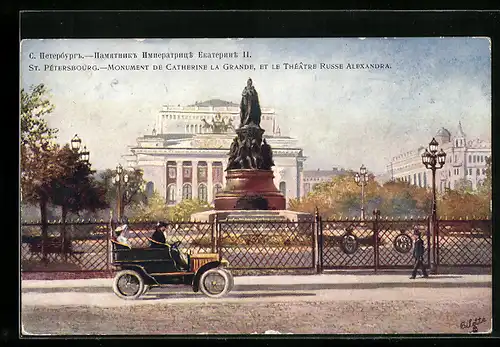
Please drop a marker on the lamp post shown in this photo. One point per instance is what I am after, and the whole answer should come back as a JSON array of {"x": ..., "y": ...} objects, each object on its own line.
[
  {"x": 120, "y": 178},
  {"x": 433, "y": 160},
  {"x": 361, "y": 180},
  {"x": 76, "y": 143},
  {"x": 83, "y": 156}
]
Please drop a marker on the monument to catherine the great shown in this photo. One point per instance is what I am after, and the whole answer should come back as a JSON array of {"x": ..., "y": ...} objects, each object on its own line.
[{"x": 250, "y": 192}]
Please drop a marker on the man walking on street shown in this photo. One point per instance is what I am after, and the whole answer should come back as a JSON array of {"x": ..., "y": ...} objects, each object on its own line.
[{"x": 418, "y": 254}]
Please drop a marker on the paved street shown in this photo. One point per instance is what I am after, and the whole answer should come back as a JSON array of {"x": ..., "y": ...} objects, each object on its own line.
[{"x": 327, "y": 304}]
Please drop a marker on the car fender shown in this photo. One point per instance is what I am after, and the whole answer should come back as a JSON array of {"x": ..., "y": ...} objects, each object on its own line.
[{"x": 201, "y": 270}]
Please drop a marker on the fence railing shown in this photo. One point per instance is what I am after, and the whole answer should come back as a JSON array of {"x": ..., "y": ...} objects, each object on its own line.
[
  {"x": 375, "y": 244},
  {"x": 464, "y": 242},
  {"x": 317, "y": 244}
]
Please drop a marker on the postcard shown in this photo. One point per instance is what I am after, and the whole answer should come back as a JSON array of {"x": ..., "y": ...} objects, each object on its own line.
[{"x": 255, "y": 186}]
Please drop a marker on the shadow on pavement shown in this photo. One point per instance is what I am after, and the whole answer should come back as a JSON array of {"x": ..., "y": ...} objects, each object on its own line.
[
  {"x": 418, "y": 283},
  {"x": 157, "y": 296}
]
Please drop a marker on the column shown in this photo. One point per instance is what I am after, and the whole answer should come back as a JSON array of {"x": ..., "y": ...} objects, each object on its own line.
[
  {"x": 210, "y": 184},
  {"x": 194, "y": 182},
  {"x": 178, "y": 184}
]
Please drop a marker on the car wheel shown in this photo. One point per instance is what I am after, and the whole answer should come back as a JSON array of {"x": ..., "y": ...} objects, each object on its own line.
[
  {"x": 128, "y": 285},
  {"x": 215, "y": 283}
]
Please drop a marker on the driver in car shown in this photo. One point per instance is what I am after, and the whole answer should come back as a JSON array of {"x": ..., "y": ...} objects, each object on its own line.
[{"x": 159, "y": 236}]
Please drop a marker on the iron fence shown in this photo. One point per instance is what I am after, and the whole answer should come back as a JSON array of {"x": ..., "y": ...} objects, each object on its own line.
[
  {"x": 464, "y": 242},
  {"x": 267, "y": 245},
  {"x": 372, "y": 243},
  {"x": 73, "y": 246}
]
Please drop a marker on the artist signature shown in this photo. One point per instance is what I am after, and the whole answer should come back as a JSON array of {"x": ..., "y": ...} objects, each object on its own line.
[{"x": 472, "y": 323}]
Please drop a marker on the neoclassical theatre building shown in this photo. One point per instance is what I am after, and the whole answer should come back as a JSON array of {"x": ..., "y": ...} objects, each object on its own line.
[
  {"x": 187, "y": 152},
  {"x": 465, "y": 159}
]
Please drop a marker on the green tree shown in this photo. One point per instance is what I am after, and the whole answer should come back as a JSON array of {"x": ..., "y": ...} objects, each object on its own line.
[
  {"x": 183, "y": 210},
  {"x": 76, "y": 189},
  {"x": 463, "y": 186},
  {"x": 154, "y": 209},
  {"x": 342, "y": 196},
  {"x": 38, "y": 154}
]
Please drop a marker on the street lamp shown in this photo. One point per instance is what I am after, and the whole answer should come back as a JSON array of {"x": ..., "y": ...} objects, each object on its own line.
[
  {"x": 361, "y": 180},
  {"x": 76, "y": 143},
  {"x": 121, "y": 178},
  {"x": 433, "y": 160},
  {"x": 85, "y": 155}
]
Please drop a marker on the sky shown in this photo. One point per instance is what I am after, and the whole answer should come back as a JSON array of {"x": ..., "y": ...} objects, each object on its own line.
[{"x": 340, "y": 117}]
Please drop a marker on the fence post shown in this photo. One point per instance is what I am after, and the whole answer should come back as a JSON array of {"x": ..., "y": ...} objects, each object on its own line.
[
  {"x": 376, "y": 213},
  {"x": 214, "y": 234},
  {"x": 109, "y": 258},
  {"x": 436, "y": 226},
  {"x": 429, "y": 243},
  {"x": 64, "y": 248},
  {"x": 315, "y": 232}
]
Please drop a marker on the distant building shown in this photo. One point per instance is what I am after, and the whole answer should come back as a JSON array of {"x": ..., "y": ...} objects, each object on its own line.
[
  {"x": 314, "y": 177},
  {"x": 465, "y": 159},
  {"x": 186, "y": 154}
]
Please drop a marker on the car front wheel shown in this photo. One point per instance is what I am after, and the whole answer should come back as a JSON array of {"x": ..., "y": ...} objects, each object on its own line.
[{"x": 215, "y": 283}]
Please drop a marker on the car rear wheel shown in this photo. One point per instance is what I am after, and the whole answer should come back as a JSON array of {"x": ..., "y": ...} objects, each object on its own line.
[
  {"x": 215, "y": 283},
  {"x": 128, "y": 285}
]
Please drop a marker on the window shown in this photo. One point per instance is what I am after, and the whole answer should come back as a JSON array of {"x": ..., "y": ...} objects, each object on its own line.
[
  {"x": 419, "y": 179},
  {"x": 474, "y": 159},
  {"x": 449, "y": 173},
  {"x": 414, "y": 179},
  {"x": 425, "y": 180},
  {"x": 484, "y": 171},
  {"x": 202, "y": 171},
  {"x": 217, "y": 172},
  {"x": 172, "y": 171},
  {"x": 171, "y": 194},
  {"x": 307, "y": 188},
  {"x": 187, "y": 192},
  {"x": 283, "y": 188},
  {"x": 478, "y": 172},
  {"x": 150, "y": 187},
  {"x": 202, "y": 192}
]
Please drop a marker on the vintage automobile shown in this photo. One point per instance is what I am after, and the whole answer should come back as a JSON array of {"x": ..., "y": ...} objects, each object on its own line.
[{"x": 164, "y": 264}]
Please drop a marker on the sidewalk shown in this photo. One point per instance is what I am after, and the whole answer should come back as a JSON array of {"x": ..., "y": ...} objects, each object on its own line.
[{"x": 323, "y": 281}]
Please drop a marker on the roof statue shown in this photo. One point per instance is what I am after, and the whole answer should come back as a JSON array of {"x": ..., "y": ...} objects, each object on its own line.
[{"x": 219, "y": 125}]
